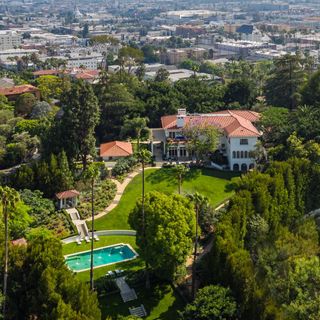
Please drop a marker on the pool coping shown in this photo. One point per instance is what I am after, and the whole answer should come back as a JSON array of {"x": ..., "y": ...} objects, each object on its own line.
[{"x": 103, "y": 265}]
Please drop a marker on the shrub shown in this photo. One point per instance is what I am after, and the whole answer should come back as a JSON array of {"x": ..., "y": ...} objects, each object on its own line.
[{"x": 124, "y": 165}]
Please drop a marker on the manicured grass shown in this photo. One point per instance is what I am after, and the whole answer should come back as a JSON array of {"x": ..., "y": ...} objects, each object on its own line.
[
  {"x": 160, "y": 302},
  {"x": 211, "y": 183},
  {"x": 132, "y": 265}
]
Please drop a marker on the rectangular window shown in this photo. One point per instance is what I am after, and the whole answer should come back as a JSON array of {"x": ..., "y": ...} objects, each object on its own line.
[
  {"x": 172, "y": 135},
  {"x": 243, "y": 141}
]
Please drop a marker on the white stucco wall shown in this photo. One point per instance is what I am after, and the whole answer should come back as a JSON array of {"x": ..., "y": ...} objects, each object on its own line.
[{"x": 236, "y": 146}]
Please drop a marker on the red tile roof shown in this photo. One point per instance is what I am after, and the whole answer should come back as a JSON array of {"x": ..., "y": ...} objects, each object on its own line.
[
  {"x": 87, "y": 74},
  {"x": 116, "y": 149},
  {"x": 19, "y": 242},
  {"x": 235, "y": 123},
  {"x": 46, "y": 72},
  {"x": 67, "y": 194},
  {"x": 25, "y": 88}
]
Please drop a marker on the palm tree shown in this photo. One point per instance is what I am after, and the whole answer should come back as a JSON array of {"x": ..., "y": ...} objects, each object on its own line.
[
  {"x": 198, "y": 200},
  {"x": 144, "y": 156},
  {"x": 9, "y": 198},
  {"x": 136, "y": 125},
  {"x": 180, "y": 171},
  {"x": 92, "y": 173}
]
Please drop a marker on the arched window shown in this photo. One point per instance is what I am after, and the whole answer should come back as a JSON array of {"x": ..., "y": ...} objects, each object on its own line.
[
  {"x": 246, "y": 154},
  {"x": 241, "y": 154},
  {"x": 244, "y": 167},
  {"x": 234, "y": 154},
  {"x": 238, "y": 154},
  {"x": 235, "y": 167},
  {"x": 251, "y": 166}
]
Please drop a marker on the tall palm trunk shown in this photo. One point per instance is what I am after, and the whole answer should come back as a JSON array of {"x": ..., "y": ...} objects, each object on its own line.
[
  {"x": 195, "y": 255},
  {"x": 92, "y": 235},
  {"x": 179, "y": 184},
  {"x": 6, "y": 258},
  {"x": 144, "y": 226}
]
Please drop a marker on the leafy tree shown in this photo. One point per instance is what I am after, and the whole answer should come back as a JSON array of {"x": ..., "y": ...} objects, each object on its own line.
[
  {"x": 311, "y": 90},
  {"x": 103, "y": 39},
  {"x": 4, "y": 103},
  {"x": 117, "y": 104},
  {"x": 150, "y": 55},
  {"x": 80, "y": 117},
  {"x": 201, "y": 139},
  {"x": 48, "y": 290},
  {"x": 24, "y": 104},
  {"x": 211, "y": 303},
  {"x": 287, "y": 78},
  {"x": 161, "y": 99},
  {"x": 166, "y": 240},
  {"x": 51, "y": 86},
  {"x": 40, "y": 110},
  {"x": 303, "y": 287},
  {"x": 199, "y": 96},
  {"x": 162, "y": 75},
  {"x": 129, "y": 57},
  {"x": 241, "y": 91},
  {"x": 275, "y": 125}
]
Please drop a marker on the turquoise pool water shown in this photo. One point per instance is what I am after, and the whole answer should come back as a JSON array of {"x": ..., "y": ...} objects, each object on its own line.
[{"x": 101, "y": 257}]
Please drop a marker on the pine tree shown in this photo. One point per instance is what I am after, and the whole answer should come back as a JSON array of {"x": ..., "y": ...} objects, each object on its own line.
[{"x": 81, "y": 115}]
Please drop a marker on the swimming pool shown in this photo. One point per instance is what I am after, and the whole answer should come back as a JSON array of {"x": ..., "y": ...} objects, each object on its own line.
[{"x": 101, "y": 257}]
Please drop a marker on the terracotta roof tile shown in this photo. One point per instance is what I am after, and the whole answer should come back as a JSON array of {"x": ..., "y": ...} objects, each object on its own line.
[
  {"x": 67, "y": 194},
  {"x": 25, "y": 88},
  {"x": 116, "y": 149},
  {"x": 235, "y": 123}
]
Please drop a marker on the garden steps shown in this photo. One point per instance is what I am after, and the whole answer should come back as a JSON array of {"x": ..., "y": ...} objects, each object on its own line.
[
  {"x": 80, "y": 224},
  {"x": 138, "y": 311},
  {"x": 127, "y": 294}
]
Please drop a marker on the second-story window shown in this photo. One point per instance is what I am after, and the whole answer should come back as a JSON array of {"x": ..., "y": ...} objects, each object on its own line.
[
  {"x": 244, "y": 141},
  {"x": 172, "y": 134}
]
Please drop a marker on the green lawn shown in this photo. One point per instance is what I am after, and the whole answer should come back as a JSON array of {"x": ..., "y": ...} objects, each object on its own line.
[
  {"x": 211, "y": 183},
  {"x": 132, "y": 265},
  {"x": 160, "y": 302}
]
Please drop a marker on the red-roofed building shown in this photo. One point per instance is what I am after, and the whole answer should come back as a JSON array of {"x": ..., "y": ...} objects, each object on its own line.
[
  {"x": 19, "y": 242},
  {"x": 13, "y": 93},
  {"x": 67, "y": 199},
  {"x": 115, "y": 149},
  {"x": 237, "y": 142}
]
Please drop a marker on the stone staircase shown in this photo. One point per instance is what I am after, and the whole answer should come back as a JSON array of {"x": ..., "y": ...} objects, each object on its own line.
[
  {"x": 138, "y": 311},
  {"x": 129, "y": 295}
]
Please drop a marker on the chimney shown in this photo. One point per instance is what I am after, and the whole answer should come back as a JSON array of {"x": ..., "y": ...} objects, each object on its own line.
[{"x": 181, "y": 117}]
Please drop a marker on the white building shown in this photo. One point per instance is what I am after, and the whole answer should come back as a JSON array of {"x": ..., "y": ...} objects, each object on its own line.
[
  {"x": 9, "y": 39},
  {"x": 238, "y": 138},
  {"x": 90, "y": 61}
]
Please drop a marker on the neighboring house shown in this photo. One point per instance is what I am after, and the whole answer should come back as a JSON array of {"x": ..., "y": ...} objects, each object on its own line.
[
  {"x": 12, "y": 93},
  {"x": 115, "y": 149},
  {"x": 77, "y": 73},
  {"x": 237, "y": 142}
]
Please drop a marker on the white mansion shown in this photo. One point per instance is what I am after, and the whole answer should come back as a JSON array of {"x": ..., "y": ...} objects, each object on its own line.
[{"x": 237, "y": 142}]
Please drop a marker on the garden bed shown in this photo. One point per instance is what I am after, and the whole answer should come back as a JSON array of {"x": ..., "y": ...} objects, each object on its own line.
[{"x": 104, "y": 193}]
